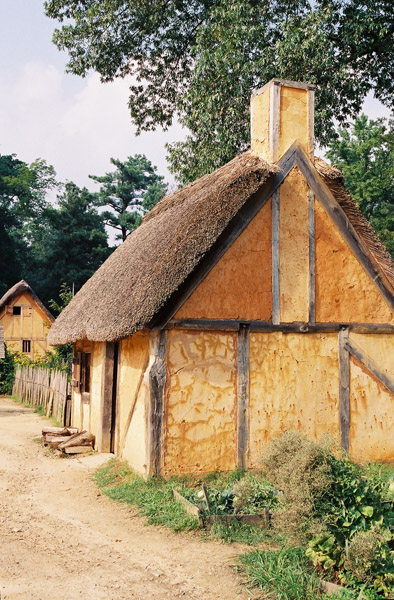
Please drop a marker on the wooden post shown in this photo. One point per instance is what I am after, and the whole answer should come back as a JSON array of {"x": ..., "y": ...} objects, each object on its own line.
[
  {"x": 104, "y": 429},
  {"x": 275, "y": 259},
  {"x": 157, "y": 382},
  {"x": 243, "y": 394},
  {"x": 344, "y": 388},
  {"x": 274, "y": 123},
  {"x": 312, "y": 257}
]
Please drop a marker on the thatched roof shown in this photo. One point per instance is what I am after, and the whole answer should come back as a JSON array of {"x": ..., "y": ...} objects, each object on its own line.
[
  {"x": 133, "y": 284},
  {"x": 19, "y": 288},
  {"x": 136, "y": 280}
]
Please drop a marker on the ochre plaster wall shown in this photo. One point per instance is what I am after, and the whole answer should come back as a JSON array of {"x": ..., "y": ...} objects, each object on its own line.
[
  {"x": 95, "y": 386},
  {"x": 371, "y": 404},
  {"x": 294, "y": 384},
  {"x": 294, "y": 248},
  {"x": 200, "y": 406},
  {"x": 31, "y": 325},
  {"x": 344, "y": 291},
  {"x": 239, "y": 285},
  {"x": 293, "y": 119},
  {"x": 132, "y": 401}
]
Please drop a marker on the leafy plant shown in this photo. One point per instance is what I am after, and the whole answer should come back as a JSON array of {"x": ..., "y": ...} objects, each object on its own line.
[{"x": 7, "y": 372}]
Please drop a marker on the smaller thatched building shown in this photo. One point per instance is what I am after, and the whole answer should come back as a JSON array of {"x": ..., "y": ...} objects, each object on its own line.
[
  {"x": 25, "y": 320},
  {"x": 256, "y": 299}
]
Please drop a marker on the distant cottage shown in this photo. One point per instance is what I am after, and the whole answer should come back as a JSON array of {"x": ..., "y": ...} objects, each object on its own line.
[
  {"x": 256, "y": 299},
  {"x": 25, "y": 321}
]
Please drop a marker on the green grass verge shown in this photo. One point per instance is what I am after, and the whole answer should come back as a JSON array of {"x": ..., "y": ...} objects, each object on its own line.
[
  {"x": 286, "y": 574},
  {"x": 154, "y": 500}
]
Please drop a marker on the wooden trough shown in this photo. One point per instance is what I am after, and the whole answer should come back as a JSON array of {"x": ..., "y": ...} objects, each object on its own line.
[{"x": 207, "y": 520}]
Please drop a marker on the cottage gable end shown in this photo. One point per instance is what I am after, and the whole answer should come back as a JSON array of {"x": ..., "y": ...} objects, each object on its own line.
[{"x": 299, "y": 260}]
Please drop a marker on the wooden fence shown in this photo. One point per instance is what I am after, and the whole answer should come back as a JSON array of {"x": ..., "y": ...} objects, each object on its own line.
[{"x": 46, "y": 388}]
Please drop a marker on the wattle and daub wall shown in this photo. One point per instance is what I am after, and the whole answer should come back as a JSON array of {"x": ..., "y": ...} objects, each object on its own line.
[
  {"x": 30, "y": 324},
  {"x": 228, "y": 392}
]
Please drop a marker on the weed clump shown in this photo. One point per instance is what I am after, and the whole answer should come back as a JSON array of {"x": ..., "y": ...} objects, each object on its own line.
[{"x": 300, "y": 469}]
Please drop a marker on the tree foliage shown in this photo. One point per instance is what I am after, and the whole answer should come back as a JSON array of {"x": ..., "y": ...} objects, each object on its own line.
[
  {"x": 23, "y": 190},
  {"x": 365, "y": 155},
  {"x": 199, "y": 59},
  {"x": 129, "y": 191},
  {"x": 69, "y": 245}
]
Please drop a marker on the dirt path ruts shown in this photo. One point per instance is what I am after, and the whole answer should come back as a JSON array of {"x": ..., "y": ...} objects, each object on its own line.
[{"x": 60, "y": 539}]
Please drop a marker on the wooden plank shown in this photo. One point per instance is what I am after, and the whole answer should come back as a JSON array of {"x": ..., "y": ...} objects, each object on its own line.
[
  {"x": 274, "y": 120},
  {"x": 275, "y": 253},
  {"x": 78, "y": 450},
  {"x": 157, "y": 381},
  {"x": 78, "y": 439},
  {"x": 260, "y": 520},
  {"x": 370, "y": 365},
  {"x": 344, "y": 388},
  {"x": 346, "y": 229},
  {"x": 311, "y": 121},
  {"x": 312, "y": 257},
  {"x": 242, "y": 394},
  {"x": 236, "y": 226},
  {"x": 104, "y": 428},
  {"x": 267, "y": 326},
  {"x": 188, "y": 506}
]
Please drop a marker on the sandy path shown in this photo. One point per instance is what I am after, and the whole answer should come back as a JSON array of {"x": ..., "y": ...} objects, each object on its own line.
[{"x": 60, "y": 539}]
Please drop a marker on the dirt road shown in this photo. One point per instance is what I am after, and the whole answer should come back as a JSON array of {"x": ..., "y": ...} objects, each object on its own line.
[{"x": 60, "y": 539}]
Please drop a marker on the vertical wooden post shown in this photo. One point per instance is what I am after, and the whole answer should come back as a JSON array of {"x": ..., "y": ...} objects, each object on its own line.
[
  {"x": 311, "y": 122},
  {"x": 274, "y": 122},
  {"x": 157, "y": 382},
  {"x": 104, "y": 429},
  {"x": 243, "y": 394},
  {"x": 275, "y": 258},
  {"x": 344, "y": 388},
  {"x": 312, "y": 257}
]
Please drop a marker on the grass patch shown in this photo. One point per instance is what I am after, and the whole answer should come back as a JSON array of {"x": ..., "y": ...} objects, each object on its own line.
[
  {"x": 283, "y": 574},
  {"x": 153, "y": 497}
]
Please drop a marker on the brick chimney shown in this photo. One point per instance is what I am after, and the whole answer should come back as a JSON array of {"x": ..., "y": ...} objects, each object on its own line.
[{"x": 281, "y": 112}]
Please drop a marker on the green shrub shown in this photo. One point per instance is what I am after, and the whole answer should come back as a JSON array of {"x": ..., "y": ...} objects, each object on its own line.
[
  {"x": 369, "y": 559},
  {"x": 7, "y": 372},
  {"x": 252, "y": 494},
  {"x": 326, "y": 502}
]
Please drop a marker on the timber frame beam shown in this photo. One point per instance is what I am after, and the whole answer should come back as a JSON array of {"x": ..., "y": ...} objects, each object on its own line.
[
  {"x": 268, "y": 326},
  {"x": 243, "y": 395},
  {"x": 157, "y": 382}
]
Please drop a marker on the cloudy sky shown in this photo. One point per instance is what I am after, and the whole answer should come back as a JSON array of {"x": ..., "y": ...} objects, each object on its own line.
[{"x": 75, "y": 124}]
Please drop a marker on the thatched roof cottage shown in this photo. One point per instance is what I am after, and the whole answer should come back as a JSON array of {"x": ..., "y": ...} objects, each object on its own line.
[
  {"x": 25, "y": 319},
  {"x": 254, "y": 300}
]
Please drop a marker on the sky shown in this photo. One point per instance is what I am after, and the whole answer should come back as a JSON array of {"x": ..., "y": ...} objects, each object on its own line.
[{"x": 76, "y": 124}]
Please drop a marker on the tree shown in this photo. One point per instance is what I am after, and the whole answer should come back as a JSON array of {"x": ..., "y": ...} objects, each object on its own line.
[
  {"x": 70, "y": 243},
  {"x": 365, "y": 155},
  {"x": 23, "y": 190},
  {"x": 130, "y": 191},
  {"x": 199, "y": 59}
]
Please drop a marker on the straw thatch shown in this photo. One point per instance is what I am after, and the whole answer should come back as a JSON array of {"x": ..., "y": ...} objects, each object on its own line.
[
  {"x": 137, "y": 279},
  {"x": 132, "y": 285},
  {"x": 19, "y": 288}
]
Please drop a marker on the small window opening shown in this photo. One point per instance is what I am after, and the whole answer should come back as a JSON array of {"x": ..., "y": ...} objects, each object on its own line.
[
  {"x": 26, "y": 345},
  {"x": 16, "y": 310},
  {"x": 86, "y": 373}
]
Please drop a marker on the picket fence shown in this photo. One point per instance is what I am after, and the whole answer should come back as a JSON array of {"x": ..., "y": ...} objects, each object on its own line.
[{"x": 47, "y": 388}]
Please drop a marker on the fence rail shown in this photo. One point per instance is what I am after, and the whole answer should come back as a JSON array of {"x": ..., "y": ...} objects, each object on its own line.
[{"x": 44, "y": 387}]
